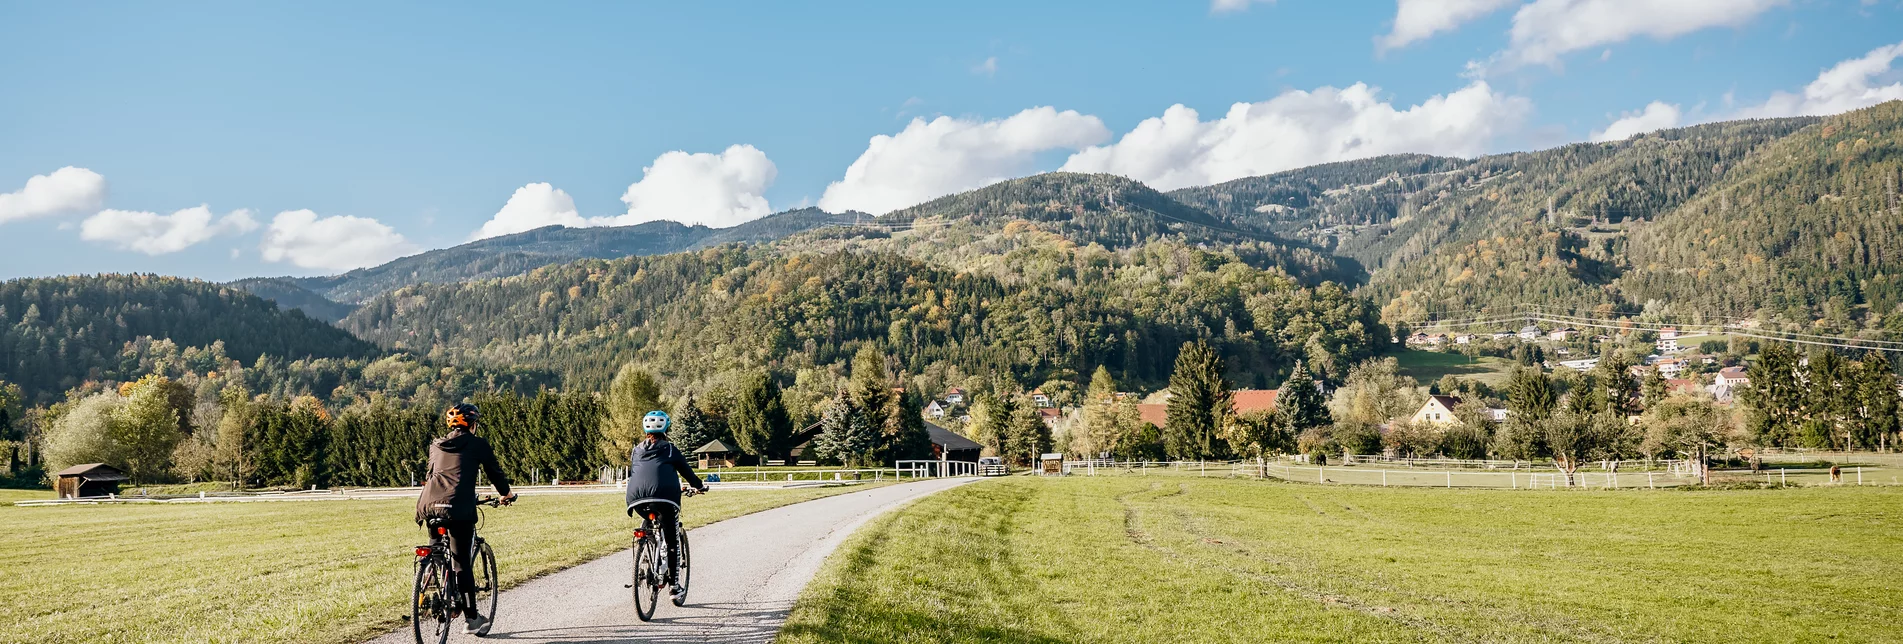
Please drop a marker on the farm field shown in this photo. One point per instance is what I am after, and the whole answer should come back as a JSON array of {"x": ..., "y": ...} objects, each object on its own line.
[
  {"x": 1428, "y": 366},
  {"x": 326, "y": 571},
  {"x": 1181, "y": 558}
]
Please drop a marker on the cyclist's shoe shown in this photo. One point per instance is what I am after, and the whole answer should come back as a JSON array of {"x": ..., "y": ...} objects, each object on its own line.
[
  {"x": 474, "y": 624},
  {"x": 680, "y": 595}
]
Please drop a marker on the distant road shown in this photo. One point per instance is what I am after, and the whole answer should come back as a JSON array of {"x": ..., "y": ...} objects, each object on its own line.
[{"x": 747, "y": 572}]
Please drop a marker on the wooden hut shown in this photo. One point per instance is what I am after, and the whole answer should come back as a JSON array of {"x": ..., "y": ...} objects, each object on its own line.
[
  {"x": 716, "y": 454},
  {"x": 91, "y": 479},
  {"x": 949, "y": 446}
]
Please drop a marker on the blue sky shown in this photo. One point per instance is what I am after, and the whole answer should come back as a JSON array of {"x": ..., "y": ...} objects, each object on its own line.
[{"x": 407, "y": 127}]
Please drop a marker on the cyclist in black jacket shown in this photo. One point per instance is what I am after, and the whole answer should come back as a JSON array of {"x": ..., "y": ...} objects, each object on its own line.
[
  {"x": 449, "y": 497},
  {"x": 655, "y": 470}
]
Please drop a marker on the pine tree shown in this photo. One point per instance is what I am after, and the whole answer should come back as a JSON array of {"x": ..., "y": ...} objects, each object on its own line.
[
  {"x": 1029, "y": 438},
  {"x": 690, "y": 426},
  {"x": 846, "y": 434},
  {"x": 1878, "y": 395},
  {"x": 1654, "y": 389},
  {"x": 1531, "y": 400},
  {"x": 1300, "y": 403},
  {"x": 911, "y": 441},
  {"x": 1100, "y": 416},
  {"x": 1199, "y": 404},
  {"x": 1773, "y": 395}
]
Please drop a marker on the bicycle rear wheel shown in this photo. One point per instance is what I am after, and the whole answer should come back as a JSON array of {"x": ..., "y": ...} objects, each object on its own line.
[
  {"x": 487, "y": 590},
  {"x": 647, "y": 583},
  {"x": 429, "y": 604},
  {"x": 680, "y": 582}
]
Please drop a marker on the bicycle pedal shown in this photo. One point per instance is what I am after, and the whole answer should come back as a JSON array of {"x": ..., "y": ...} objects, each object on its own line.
[{"x": 627, "y": 585}]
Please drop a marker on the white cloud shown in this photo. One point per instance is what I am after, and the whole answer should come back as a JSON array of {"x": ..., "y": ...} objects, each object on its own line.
[
  {"x": 1302, "y": 128},
  {"x": 67, "y": 189},
  {"x": 934, "y": 158},
  {"x": 331, "y": 243},
  {"x": 1416, "y": 20},
  {"x": 715, "y": 190},
  {"x": 1658, "y": 115},
  {"x": 532, "y": 206},
  {"x": 1226, "y": 6},
  {"x": 987, "y": 68},
  {"x": 1544, "y": 30},
  {"x": 1848, "y": 85},
  {"x": 155, "y": 234}
]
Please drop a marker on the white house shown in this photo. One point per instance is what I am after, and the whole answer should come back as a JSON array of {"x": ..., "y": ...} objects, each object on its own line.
[
  {"x": 1039, "y": 398},
  {"x": 1581, "y": 365},
  {"x": 955, "y": 396},
  {"x": 1731, "y": 377},
  {"x": 1530, "y": 332},
  {"x": 1563, "y": 335},
  {"x": 1670, "y": 367},
  {"x": 1464, "y": 338},
  {"x": 1668, "y": 339},
  {"x": 1497, "y": 414},
  {"x": 1438, "y": 410},
  {"x": 936, "y": 408}
]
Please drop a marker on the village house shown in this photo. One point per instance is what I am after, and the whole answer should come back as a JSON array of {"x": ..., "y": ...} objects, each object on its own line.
[
  {"x": 1529, "y": 333},
  {"x": 937, "y": 408},
  {"x": 1563, "y": 335},
  {"x": 1668, "y": 339},
  {"x": 1241, "y": 401},
  {"x": 1050, "y": 416},
  {"x": 1039, "y": 398},
  {"x": 1581, "y": 365},
  {"x": 1464, "y": 338},
  {"x": 1731, "y": 377},
  {"x": 1497, "y": 414},
  {"x": 1670, "y": 368},
  {"x": 1438, "y": 410},
  {"x": 1684, "y": 387},
  {"x": 955, "y": 396},
  {"x": 1502, "y": 335}
]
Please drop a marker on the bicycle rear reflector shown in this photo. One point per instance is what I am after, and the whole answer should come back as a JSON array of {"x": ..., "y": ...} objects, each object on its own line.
[
  {"x": 422, "y": 551},
  {"x": 640, "y": 534}
]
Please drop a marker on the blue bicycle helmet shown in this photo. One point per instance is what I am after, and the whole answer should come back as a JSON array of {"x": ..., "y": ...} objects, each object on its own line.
[{"x": 656, "y": 422}]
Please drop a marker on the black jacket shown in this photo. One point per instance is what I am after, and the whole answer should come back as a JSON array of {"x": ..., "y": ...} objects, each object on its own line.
[
  {"x": 655, "y": 472},
  {"x": 450, "y": 490}
]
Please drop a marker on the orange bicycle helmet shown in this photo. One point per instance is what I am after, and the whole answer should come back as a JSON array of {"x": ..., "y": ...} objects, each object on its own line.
[{"x": 461, "y": 416}]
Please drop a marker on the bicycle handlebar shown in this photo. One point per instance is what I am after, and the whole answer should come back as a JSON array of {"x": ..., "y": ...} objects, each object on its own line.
[{"x": 494, "y": 501}]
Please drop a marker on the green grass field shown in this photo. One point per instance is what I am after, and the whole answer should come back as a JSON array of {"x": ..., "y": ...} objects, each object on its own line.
[
  {"x": 323, "y": 571},
  {"x": 1428, "y": 366},
  {"x": 1177, "y": 558},
  {"x": 9, "y": 495}
]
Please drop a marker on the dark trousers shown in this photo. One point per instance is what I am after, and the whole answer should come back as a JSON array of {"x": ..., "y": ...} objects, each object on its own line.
[{"x": 462, "y": 547}]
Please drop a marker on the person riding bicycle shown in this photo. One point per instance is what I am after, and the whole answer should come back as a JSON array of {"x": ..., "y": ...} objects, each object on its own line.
[
  {"x": 655, "y": 470},
  {"x": 449, "y": 497}
]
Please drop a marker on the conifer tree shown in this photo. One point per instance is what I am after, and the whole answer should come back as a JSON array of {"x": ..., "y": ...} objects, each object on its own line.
[
  {"x": 846, "y": 434},
  {"x": 690, "y": 426},
  {"x": 1199, "y": 404},
  {"x": 758, "y": 419},
  {"x": 1300, "y": 403}
]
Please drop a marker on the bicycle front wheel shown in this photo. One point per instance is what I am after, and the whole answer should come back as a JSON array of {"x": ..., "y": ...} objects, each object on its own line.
[
  {"x": 429, "y": 604},
  {"x": 647, "y": 581},
  {"x": 680, "y": 582},
  {"x": 487, "y": 590}
]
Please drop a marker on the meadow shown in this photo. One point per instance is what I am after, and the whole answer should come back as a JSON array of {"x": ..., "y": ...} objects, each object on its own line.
[
  {"x": 319, "y": 571},
  {"x": 1182, "y": 558},
  {"x": 1426, "y": 367}
]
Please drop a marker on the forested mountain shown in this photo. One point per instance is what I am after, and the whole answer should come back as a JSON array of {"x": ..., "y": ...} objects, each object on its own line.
[
  {"x": 1106, "y": 210},
  {"x": 1036, "y": 278},
  {"x": 58, "y": 332},
  {"x": 1787, "y": 220},
  {"x": 519, "y": 253},
  {"x": 288, "y": 294}
]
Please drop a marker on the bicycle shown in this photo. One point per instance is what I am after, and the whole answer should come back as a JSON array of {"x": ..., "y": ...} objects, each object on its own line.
[
  {"x": 437, "y": 599},
  {"x": 651, "y": 569}
]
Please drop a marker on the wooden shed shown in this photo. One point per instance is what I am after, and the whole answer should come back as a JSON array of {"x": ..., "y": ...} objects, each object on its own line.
[
  {"x": 716, "y": 453},
  {"x": 949, "y": 446},
  {"x": 91, "y": 479}
]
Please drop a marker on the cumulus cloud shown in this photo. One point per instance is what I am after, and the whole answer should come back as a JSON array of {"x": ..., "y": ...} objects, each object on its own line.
[
  {"x": 1848, "y": 85},
  {"x": 331, "y": 243},
  {"x": 155, "y": 234},
  {"x": 532, "y": 206},
  {"x": 1658, "y": 115},
  {"x": 1416, "y": 20},
  {"x": 67, "y": 189},
  {"x": 715, "y": 190},
  {"x": 1544, "y": 30},
  {"x": 945, "y": 155},
  {"x": 1226, "y": 6},
  {"x": 987, "y": 68},
  {"x": 1300, "y": 128}
]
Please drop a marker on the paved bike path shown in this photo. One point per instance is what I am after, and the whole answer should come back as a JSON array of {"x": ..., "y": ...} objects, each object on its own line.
[{"x": 747, "y": 572}]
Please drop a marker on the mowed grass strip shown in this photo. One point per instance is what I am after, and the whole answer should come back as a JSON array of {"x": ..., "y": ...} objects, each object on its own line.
[
  {"x": 318, "y": 571},
  {"x": 1176, "y": 558}
]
